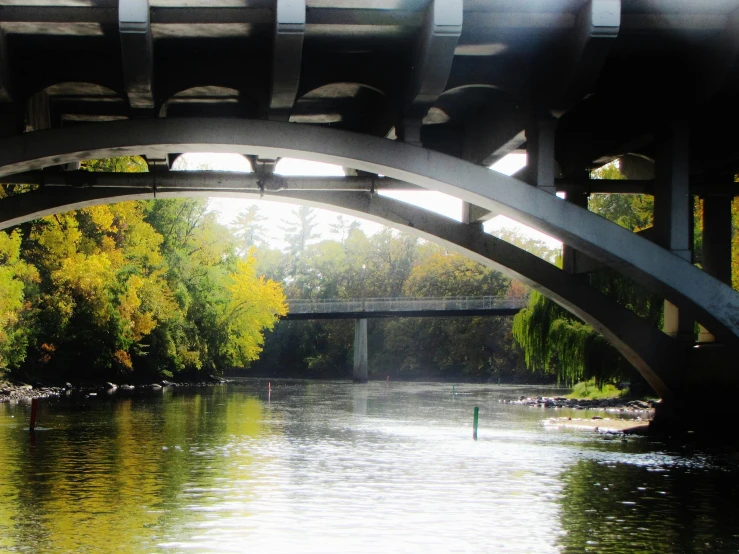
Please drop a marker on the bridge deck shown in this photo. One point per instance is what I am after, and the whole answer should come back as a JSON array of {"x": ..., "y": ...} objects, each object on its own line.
[{"x": 357, "y": 308}]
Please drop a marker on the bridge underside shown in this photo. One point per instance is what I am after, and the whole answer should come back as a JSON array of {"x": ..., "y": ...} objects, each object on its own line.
[{"x": 427, "y": 93}]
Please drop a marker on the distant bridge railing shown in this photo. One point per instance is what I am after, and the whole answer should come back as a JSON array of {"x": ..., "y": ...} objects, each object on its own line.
[{"x": 353, "y": 308}]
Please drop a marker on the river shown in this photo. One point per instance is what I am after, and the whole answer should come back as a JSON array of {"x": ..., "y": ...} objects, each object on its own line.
[{"x": 336, "y": 467}]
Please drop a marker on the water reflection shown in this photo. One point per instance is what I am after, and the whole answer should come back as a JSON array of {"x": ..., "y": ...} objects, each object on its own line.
[
  {"x": 107, "y": 474},
  {"x": 336, "y": 467},
  {"x": 615, "y": 507}
]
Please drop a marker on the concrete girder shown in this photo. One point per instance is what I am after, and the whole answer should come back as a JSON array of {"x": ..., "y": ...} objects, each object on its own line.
[
  {"x": 433, "y": 55},
  {"x": 286, "y": 57},
  {"x": 715, "y": 63},
  {"x": 712, "y": 303},
  {"x": 5, "y": 95},
  {"x": 596, "y": 27},
  {"x": 229, "y": 180},
  {"x": 137, "y": 52},
  {"x": 204, "y": 181},
  {"x": 656, "y": 356}
]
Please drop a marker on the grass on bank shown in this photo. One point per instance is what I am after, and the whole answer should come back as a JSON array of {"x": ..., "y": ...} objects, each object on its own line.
[{"x": 589, "y": 390}]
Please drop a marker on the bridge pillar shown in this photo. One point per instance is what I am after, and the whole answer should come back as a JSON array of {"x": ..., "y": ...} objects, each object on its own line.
[
  {"x": 716, "y": 244},
  {"x": 541, "y": 168},
  {"x": 360, "y": 351},
  {"x": 569, "y": 254},
  {"x": 673, "y": 214}
]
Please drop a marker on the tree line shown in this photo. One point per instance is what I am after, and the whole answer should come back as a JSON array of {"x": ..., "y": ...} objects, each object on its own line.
[
  {"x": 132, "y": 290},
  {"x": 351, "y": 264}
]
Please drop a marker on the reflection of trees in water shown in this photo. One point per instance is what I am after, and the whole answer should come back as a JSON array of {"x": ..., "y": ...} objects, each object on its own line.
[
  {"x": 625, "y": 508},
  {"x": 122, "y": 473}
]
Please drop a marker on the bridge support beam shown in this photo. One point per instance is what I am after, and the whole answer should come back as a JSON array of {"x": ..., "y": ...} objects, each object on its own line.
[
  {"x": 673, "y": 223},
  {"x": 716, "y": 244},
  {"x": 540, "y": 149},
  {"x": 359, "y": 374},
  {"x": 571, "y": 258}
]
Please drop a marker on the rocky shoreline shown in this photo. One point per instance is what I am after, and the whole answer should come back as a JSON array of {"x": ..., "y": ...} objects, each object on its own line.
[
  {"x": 23, "y": 392},
  {"x": 640, "y": 408}
]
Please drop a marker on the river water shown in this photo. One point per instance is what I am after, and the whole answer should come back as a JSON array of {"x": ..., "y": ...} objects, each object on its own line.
[{"x": 336, "y": 467}]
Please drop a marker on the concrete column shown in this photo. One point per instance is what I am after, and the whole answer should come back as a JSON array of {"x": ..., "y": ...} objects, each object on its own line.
[
  {"x": 540, "y": 150},
  {"x": 716, "y": 244},
  {"x": 360, "y": 351},
  {"x": 717, "y": 237},
  {"x": 673, "y": 213},
  {"x": 569, "y": 254}
]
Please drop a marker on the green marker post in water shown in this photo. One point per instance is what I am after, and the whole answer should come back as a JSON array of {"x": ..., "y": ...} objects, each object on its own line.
[{"x": 474, "y": 422}]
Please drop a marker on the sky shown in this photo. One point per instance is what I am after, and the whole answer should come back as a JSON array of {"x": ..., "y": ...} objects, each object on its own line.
[{"x": 275, "y": 212}]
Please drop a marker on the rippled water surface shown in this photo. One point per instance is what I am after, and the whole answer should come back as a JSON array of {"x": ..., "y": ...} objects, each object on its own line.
[{"x": 336, "y": 467}]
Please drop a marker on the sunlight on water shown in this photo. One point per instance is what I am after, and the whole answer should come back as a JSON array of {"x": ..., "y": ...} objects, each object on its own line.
[{"x": 333, "y": 467}]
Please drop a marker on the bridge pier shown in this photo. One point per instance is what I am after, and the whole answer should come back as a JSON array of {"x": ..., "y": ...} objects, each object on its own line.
[
  {"x": 359, "y": 374},
  {"x": 716, "y": 259},
  {"x": 710, "y": 379},
  {"x": 673, "y": 215}
]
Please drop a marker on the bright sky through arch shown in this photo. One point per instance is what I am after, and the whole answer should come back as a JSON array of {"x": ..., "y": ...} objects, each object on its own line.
[{"x": 275, "y": 212}]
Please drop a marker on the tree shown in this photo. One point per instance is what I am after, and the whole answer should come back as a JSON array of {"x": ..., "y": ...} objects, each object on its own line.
[
  {"x": 255, "y": 305},
  {"x": 154, "y": 288},
  {"x": 343, "y": 227},
  {"x": 299, "y": 231},
  {"x": 556, "y": 342},
  {"x": 248, "y": 229},
  {"x": 15, "y": 275}
]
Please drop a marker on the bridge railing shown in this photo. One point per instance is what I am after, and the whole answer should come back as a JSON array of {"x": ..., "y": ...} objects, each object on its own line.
[{"x": 446, "y": 303}]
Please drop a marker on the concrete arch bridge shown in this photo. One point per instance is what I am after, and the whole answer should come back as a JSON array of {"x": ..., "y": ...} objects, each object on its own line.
[{"x": 416, "y": 93}]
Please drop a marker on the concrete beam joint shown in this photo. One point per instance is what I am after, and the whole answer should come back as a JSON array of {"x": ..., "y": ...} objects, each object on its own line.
[
  {"x": 447, "y": 18},
  {"x": 133, "y": 16},
  {"x": 433, "y": 55},
  {"x": 605, "y": 18},
  {"x": 137, "y": 52},
  {"x": 287, "y": 57}
]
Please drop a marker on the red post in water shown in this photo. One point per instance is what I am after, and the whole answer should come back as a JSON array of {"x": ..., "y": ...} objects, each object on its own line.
[{"x": 34, "y": 406}]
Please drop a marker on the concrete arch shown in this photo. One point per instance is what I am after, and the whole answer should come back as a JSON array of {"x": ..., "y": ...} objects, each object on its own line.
[
  {"x": 210, "y": 100},
  {"x": 712, "y": 303},
  {"x": 655, "y": 355}
]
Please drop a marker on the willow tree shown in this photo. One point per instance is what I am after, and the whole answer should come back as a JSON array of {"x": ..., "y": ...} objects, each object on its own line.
[{"x": 554, "y": 341}]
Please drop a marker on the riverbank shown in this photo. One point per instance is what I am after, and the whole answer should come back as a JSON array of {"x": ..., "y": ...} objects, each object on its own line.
[
  {"x": 638, "y": 408},
  {"x": 600, "y": 424},
  {"x": 23, "y": 392}
]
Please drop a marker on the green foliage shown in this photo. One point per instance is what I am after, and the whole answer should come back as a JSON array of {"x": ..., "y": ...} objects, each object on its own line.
[
  {"x": 153, "y": 288},
  {"x": 590, "y": 389},
  {"x": 556, "y": 342},
  {"x": 15, "y": 275},
  {"x": 390, "y": 264}
]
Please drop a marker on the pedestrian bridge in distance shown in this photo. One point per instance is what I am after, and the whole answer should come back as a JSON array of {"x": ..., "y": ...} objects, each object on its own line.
[{"x": 362, "y": 308}]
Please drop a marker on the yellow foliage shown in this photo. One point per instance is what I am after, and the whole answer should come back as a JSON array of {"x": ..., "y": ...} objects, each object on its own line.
[
  {"x": 102, "y": 217},
  {"x": 122, "y": 359},
  {"x": 255, "y": 305}
]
